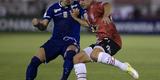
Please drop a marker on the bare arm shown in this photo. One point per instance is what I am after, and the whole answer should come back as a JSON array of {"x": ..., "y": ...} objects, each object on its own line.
[
  {"x": 40, "y": 24},
  {"x": 107, "y": 12},
  {"x": 75, "y": 14}
]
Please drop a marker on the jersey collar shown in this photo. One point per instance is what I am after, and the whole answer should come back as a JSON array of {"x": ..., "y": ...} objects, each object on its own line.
[{"x": 60, "y": 4}]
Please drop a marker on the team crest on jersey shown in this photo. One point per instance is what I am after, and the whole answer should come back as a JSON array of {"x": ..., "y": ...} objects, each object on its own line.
[
  {"x": 65, "y": 14},
  {"x": 57, "y": 10}
]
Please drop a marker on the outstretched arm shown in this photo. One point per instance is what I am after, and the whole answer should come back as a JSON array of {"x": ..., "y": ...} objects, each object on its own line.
[
  {"x": 40, "y": 24},
  {"x": 84, "y": 22},
  {"x": 107, "y": 12}
]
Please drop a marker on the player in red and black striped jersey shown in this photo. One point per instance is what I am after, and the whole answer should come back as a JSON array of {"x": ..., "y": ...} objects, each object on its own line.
[{"x": 108, "y": 43}]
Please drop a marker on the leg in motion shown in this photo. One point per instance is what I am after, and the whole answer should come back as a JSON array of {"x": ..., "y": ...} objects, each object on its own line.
[
  {"x": 105, "y": 58},
  {"x": 32, "y": 68},
  {"x": 68, "y": 61},
  {"x": 79, "y": 66}
]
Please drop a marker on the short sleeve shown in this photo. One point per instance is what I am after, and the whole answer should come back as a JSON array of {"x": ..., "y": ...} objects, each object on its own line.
[
  {"x": 82, "y": 11},
  {"x": 49, "y": 13}
]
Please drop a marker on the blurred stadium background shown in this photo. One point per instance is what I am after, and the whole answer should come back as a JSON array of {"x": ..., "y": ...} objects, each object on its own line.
[{"x": 138, "y": 21}]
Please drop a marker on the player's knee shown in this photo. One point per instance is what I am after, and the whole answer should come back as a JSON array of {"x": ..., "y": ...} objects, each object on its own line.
[
  {"x": 93, "y": 57},
  {"x": 73, "y": 48},
  {"x": 41, "y": 55},
  {"x": 95, "y": 53},
  {"x": 69, "y": 55}
]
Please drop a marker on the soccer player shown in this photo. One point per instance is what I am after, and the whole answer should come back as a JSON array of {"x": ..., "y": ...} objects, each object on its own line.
[
  {"x": 64, "y": 40},
  {"x": 108, "y": 39}
]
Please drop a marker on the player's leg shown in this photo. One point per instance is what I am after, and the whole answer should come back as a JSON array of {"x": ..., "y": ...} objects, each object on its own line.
[
  {"x": 68, "y": 61},
  {"x": 79, "y": 60},
  {"x": 35, "y": 62},
  {"x": 46, "y": 53},
  {"x": 101, "y": 56}
]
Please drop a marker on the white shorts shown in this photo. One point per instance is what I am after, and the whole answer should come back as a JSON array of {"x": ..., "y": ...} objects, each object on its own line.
[{"x": 89, "y": 50}]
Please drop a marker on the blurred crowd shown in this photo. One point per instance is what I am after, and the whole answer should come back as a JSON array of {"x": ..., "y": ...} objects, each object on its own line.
[
  {"x": 136, "y": 9},
  {"x": 22, "y": 8},
  {"x": 122, "y": 9}
]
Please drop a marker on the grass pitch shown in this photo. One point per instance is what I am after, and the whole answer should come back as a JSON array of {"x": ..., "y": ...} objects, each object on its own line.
[{"x": 16, "y": 50}]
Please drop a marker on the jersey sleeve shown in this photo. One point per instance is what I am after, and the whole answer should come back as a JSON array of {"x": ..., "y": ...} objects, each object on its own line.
[
  {"x": 82, "y": 12},
  {"x": 49, "y": 13}
]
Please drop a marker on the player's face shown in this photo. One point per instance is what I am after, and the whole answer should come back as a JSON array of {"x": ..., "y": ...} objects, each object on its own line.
[
  {"x": 85, "y": 3},
  {"x": 67, "y": 2}
]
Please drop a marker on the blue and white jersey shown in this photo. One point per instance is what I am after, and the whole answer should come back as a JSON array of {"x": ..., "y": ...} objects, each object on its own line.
[{"x": 64, "y": 24}]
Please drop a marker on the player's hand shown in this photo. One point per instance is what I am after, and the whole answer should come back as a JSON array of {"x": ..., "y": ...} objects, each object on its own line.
[
  {"x": 35, "y": 22},
  {"x": 93, "y": 28},
  {"x": 106, "y": 20},
  {"x": 40, "y": 24},
  {"x": 75, "y": 13}
]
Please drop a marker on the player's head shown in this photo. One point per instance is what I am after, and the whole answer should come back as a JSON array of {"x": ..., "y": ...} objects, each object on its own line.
[
  {"x": 85, "y": 3},
  {"x": 66, "y": 2}
]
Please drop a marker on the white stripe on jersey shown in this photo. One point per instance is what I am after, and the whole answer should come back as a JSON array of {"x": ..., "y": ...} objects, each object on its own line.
[{"x": 45, "y": 15}]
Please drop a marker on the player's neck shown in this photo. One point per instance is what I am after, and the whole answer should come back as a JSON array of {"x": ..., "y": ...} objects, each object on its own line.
[
  {"x": 63, "y": 4},
  {"x": 90, "y": 4}
]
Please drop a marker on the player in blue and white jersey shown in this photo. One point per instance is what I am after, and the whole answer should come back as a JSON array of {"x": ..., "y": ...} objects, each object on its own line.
[{"x": 64, "y": 40}]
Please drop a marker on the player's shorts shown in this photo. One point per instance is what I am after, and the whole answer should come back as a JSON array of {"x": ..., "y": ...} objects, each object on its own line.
[
  {"x": 53, "y": 49},
  {"x": 108, "y": 45}
]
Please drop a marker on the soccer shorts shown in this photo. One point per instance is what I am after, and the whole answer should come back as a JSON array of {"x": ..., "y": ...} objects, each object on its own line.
[
  {"x": 54, "y": 49},
  {"x": 108, "y": 45}
]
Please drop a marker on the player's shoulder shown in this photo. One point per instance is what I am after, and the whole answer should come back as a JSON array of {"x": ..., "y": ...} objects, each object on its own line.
[
  {"x": 54, "y": 5},
  {"x": 75, "y": 3}
]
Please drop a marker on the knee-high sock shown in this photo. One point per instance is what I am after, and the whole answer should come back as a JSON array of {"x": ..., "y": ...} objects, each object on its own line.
[
  {"x": 80, "y": 70},
  {"x": 31, "y": 72},
  {"x": 107, "y": 59},
  {"x": 68, "y": 64}
]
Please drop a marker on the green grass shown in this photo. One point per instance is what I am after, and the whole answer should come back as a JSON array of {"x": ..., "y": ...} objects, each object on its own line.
[{"x": 16, "y": 50}]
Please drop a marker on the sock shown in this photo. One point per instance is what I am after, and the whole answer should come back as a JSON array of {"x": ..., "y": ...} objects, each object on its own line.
[
  {"x": 68, "y": 64},
  {"x": 31, "y": 72},
  {"x": 108, "y": 59},
  {"x": 80, "y": 70}
]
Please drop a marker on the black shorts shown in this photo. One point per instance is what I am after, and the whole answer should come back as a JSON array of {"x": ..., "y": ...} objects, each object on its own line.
[{"x": 108, "y": 45}]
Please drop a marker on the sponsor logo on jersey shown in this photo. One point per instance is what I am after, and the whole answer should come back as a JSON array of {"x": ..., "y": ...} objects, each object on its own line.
[
  {"x": 65, "y": 14},
  {"x": 74, "y": 6},
  {"x": 57, "y": 10}
]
